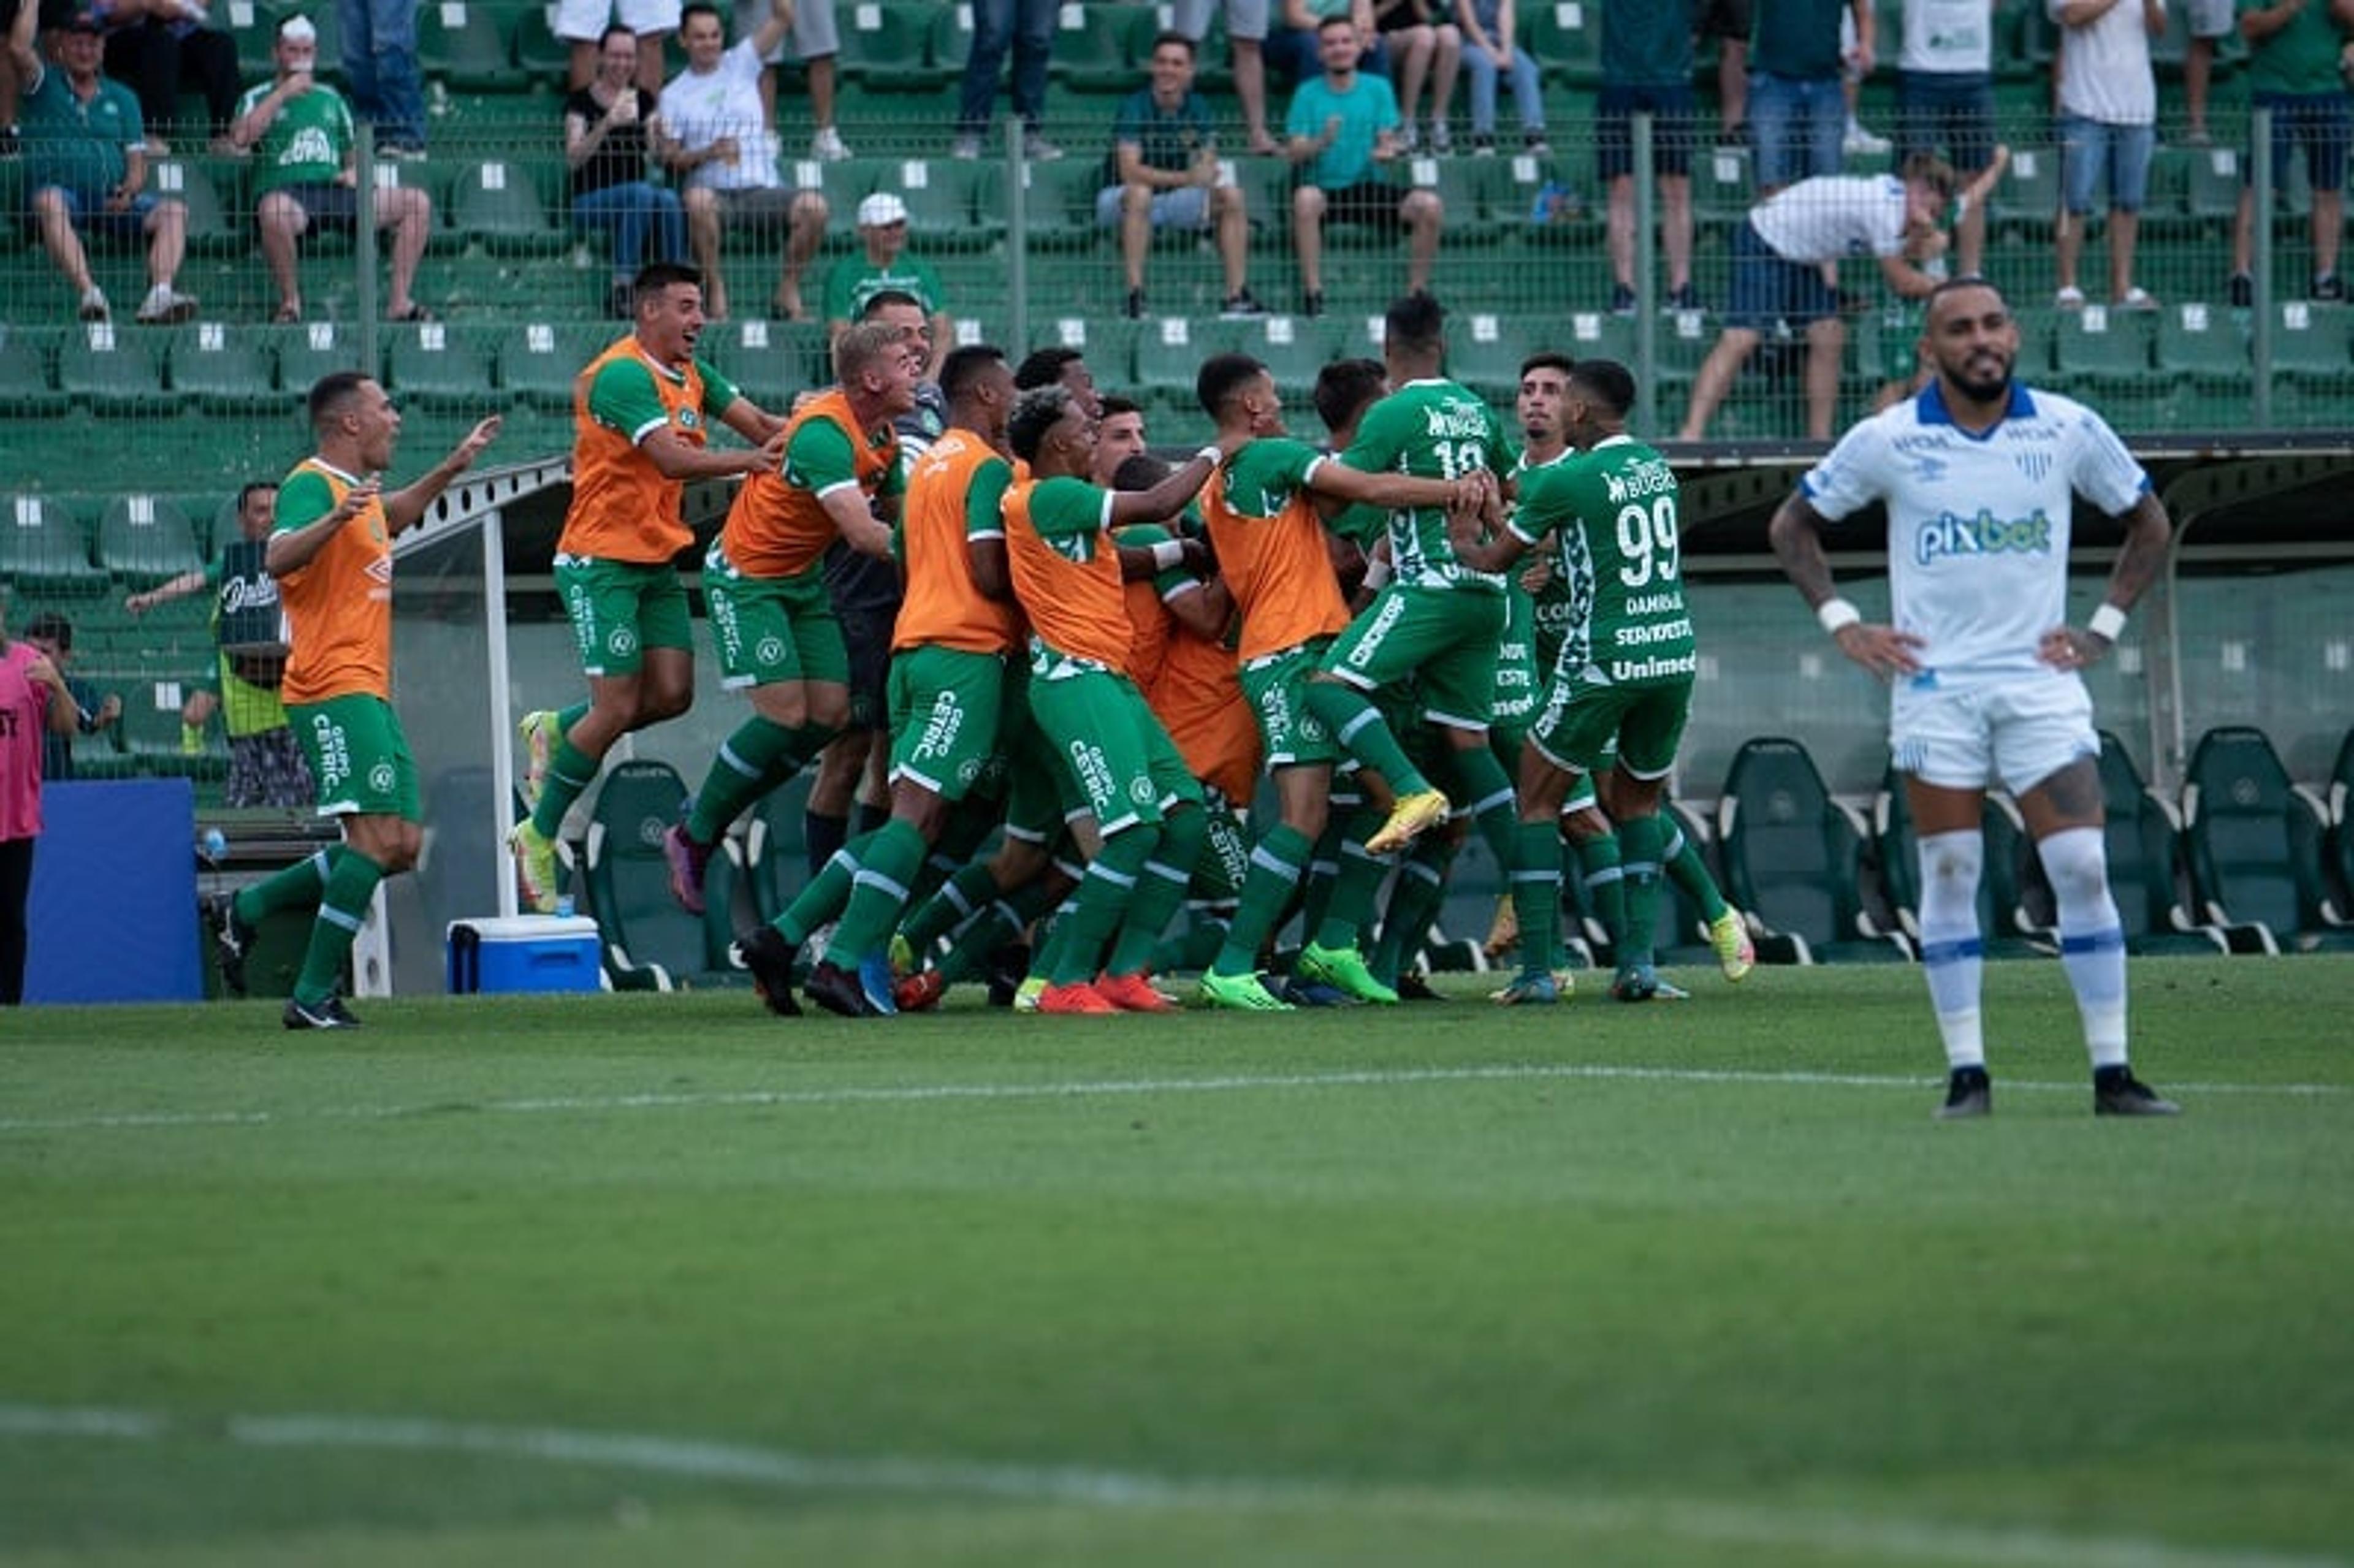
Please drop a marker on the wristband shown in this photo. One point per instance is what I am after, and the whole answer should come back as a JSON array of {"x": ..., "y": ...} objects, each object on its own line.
[
  {"x": 1836, "y": 615},
  {"x": 1377, "y": 572},
  {"x": 1211, "y": 455},
  {"x": 1167, "y": 556},
  {"x": 2107, "y": 622}
]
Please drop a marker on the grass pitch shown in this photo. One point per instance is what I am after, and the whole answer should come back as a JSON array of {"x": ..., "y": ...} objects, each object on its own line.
[{"x": 662, "y": 1279}]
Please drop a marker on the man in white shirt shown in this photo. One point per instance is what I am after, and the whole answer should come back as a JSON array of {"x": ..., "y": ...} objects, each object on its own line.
[
  {"x": 712, "y": 133},
  {"x": 1944, "y": 99},
  {"x": 1978, "y": 474},
  {"x": 1779, "y": 258},
  {"x": 2107, "y": 122}
]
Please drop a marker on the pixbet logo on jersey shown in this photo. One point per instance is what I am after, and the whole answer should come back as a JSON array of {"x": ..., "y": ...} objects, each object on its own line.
[{"x": 1950, "y": 535}]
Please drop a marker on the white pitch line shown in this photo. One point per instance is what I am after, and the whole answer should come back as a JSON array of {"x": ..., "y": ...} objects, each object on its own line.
[
  {"x": 914, "y": 1094},
  {"x": 744, "y": 1464}
]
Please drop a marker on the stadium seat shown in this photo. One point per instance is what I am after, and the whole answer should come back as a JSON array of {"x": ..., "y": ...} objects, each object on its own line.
[
  {"x": 1792, "y": 856},
  {"x": 1564, "y": 40},
  {"x": 771, "y": 853},
  {"x": 430, "y": 366},
  {"x": 2341, "y": 801},
  {"x": 2211, "y": 183},
  {"x": 1094, "y": 47},
  {"x": 884, "y": 46},
  {"x": 2003, "y": 922},
  {"x": 42, "y": 550},
  {"x": 27, "y": 385},
  {"x": 948, "y": 43},
  {"x": 2202, "y": 352},
  {"x": 945, "y": 205},
  {"x": 114, "y": 371},
  {"x": 145, "y": 539},
  {"x": 1723, "y": 192},
  {"x": 155, "y": 740},
  {"x": 252, "y": 25},
  {"x": 650, "y": 942},
  {"x": 2255, "y": 844},
  {"x": 498, "y": 205},
  {"x": 210, "y": 232},
  {"x": 223, "y": 371},
  {"x": 464, "y": 46},
  {"x": 538, "y": 361},
  {"x": 541, "y": 59},
  {"x": 2312, "y": 371},
  {"x": 1463, "y": 185},
  {"x": 2104, "y": 355},
  {"x": 1059, "y": 203},
  {"x": 307, "y": 350},
  {"x": 2024, "y": 203},
  {"x": 1484, "y": 350},
  {"x": 2144, "y": 847},
  {"x": 769, "y": 362}
]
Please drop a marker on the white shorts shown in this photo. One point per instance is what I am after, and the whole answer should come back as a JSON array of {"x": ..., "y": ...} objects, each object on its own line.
[
  {"x": 584, "y": 20},
  {"x": 2019, "y": 733},
  {"x": 1182, "y": 207},
  {"x": 815, "y": 35},
  {"x": 2209, "y": 18}
]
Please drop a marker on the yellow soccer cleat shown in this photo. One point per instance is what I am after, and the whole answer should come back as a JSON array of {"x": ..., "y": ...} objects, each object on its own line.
[
  {"x": 1413, "y": 815},
  {"x": 1736, "y": 955}
]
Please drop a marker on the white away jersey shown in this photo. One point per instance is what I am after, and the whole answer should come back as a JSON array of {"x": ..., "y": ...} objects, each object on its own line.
[
  {"x": 1831, "y": 215},
  {"x": 1978, "y": 526}
]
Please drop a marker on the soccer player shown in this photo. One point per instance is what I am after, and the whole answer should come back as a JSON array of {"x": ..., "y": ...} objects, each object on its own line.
[
  {"x": 1277, "y": 567},
  {"x": 1978, "y": 474},
  {"x": 642, "y": 414},
  {"x": 764, "y": 581},
  {"x": 1614, "y": 510},
  {"x": 950, "y": 647},
  {"x": 1147, "y": 806},
  {"x": 331, "y": 555}
]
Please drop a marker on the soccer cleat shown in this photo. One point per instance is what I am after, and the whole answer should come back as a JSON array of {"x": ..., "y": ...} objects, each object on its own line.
[
  {"x": 1528, "y": 990},
  {"x": 902, "y": 956},
  {"x": 2117, "y": 1092},
  {"x": 232, "y": 940},
  {"x": 1414, "y": 814},
  {"x": 1736, "y": 955},
  {"x": 920, "y": 992},
  {"x": 688, "y": 862},
  {"x": 1665, "y": 990},
  {"x": 1415, "y": 986},
  {"x": 1969, "y": 1093},
  {"x": 1027, "y": 993},
  {"x": 1240, "y": 993},
  {"x": 1504, "y": 930},
  {"x": 1344, "y": 969},
  {"x": 1638, "y": 983},
  {"x": 536, "y": 873},
  {"x": 874, "y": 979},
  {"x": 836, "y": 989},
  {"x": 327, "y": 1014},
  {"x": 1132, "y": 993},
  {"x": 539, "y": 735},
  {"x": 769, "y": 958},
  {"x": 1302, "y": 992},
  {"x": 1077, "y": 998}
]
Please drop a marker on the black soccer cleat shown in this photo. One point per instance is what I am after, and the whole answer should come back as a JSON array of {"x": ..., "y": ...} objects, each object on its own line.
[
  {"x": 2117, "y": 1092},
  {"x": 232, "y": 940},
  {"x": 769, "y": 958},
  {"x": 837, "y": 989},
  {"x": 1969, "y": 1093},
  {"x": 327, "y": 1014}
]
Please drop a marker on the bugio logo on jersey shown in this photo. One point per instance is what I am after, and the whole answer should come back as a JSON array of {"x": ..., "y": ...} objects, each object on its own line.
[{"x": 1949, "y": 534}]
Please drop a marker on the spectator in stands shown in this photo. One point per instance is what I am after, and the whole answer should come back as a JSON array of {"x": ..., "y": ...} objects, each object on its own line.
[
  {"x": 582, "y": 24},
  {"x": 35, "y": 708},
  {"x": 94, "y": 711},
  {"x": 306, "y": 173},
  {"x": 711, "y": 134},
  {"x": 1422, "y": 46},
  {"x": 1291, "y": 45},
  {"x": 1163, "y": 172},
  {"x": 2108, "y": 124},
  {"x": 1727, "y": 22},
  {"x": 2294, "y": 47},
  {"x": 2209, "y": 21},
  {"x": 265, "y": 764},
  {"x": 380, "y": 64},
  {"x": 86, "y": 168},
  {"x": 879, "y": 263},
  {"x": 1944, "y": 99},
  {"x": 605, "y": 144},
  {"x": 1026, "y": 27},
  {"x": 1489, "y": 29},
  {"x": 1779, "y": 260},
  {"x": 162, "y": 48},
  {"x": 1646, "y": 68},
  {"x": 816, "y": 42},
  {"x": 1246, "y": 55},
  {"x": 1797, "y": 108},
  {"x": 1343, "y": 125}
]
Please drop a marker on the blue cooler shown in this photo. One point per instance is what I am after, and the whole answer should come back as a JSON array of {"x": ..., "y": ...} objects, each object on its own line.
[{"x": 523, "y": 953}]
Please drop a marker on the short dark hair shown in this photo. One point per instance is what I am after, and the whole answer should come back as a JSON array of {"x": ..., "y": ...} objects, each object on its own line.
[
  {"x": 1106, "y": 407},
  {"x": 1223, "y": 375},
  {"x": 1344, "y": 389},
  {"x": 1607, "y": 382},
  {"x": 882, "y": 297},
  {"x": 1163, "y": 40},
  {"x": 655, "y": 276},
  {"x": 1139, "y": 471},
  {"x": 612, "y": 27},
  {"x": 964, "y": 366},
  {"x": 688, "y": 12},
  {"x": 1036, "y": 411},
  {"x": 331, "y": 392},
  {"x": 1548, "y": 359},
  {"x": 1337, "y": 19},
  {"x": 251, "y": 488},
  {"x": 1044, "y": 366},
  {"x": 49, "y": 626},
  {"x": 1930, "y": 170},
  {"x": 1416, "y": 322}
]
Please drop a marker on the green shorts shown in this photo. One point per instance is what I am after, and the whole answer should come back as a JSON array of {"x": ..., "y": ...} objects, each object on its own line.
[
  {"x": 769, "y": 630},
  {"x": 1445, "y": 638},
  {"x": 358, "y": 757},
  {"x": 1275, "y": 685},
  {"x": 1646, "y": 720},
  {"x": 946, "y": 706},
  {"x": 1123, "y": 761},
  {"x": 619, "y": 609},
  {"x": 1224, "y": 863}
]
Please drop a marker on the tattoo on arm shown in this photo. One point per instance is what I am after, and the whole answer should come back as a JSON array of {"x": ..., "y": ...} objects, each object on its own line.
[
  {"x": 1797, "y": 536},
  {"x": 2147, "y": 531}
]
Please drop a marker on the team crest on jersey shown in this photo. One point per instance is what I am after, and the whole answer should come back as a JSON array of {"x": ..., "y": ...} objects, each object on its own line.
[
  {"x": 2036, "y": 466},
  {"x": 1929, "y": 470},
  {"x": 1140, "y": 792},
  {"x": 770, "y": 651},
  {"x": 690, "y": 418},
  {"x": 622, "y": 642},
  {"x": 381, "y": 778}
]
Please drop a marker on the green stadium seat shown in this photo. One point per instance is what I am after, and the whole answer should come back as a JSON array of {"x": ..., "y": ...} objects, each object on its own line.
[
  {"x": 2202, "y": 350},
  {"x": 1170, "y": 352},
  {"x": 1293, "y": 348},
  {"x": 540, "y": 56},
  {"x": 539, "y": 362},
  {"x": 1096, "y": 46},
  {"x": 252, "y": 25},
  {"x": 649, "y": 941},
  {"x": 1484, "y": 350},
  {"x": 1462, "y": 186},
  {"x": 210, "y": 232},
  {"x": 28, "y": 385},
  {"x": 1792, "y": 855},
  {"x": 1059, "y": 203},
  {"x": 1722, "y": 191},
  {"x": 2103, "y": 350},
  {"x": 1543, "y": 201},
  {"x": 224, "y": 370},
  {"x": 498, "y": 204},
  {"x": 2144, "y": 846},
  {"x": 146, "y": 539},
  {"x": 2255, "y": 844},
  {"x": 948, "y": 43},
  {"x": 885, "y": 46},
  {"x": 2024, "y": 203},
  {"x": 945, "y": 205},
  {"x": 769, "y": 362},
  {"x": 1109, "y": 344},
  {"x": 464, "y": 46},
  {"x": 307, "y": 350},
  {"x": 43, "y": 550},
  {"x": 155, "y": 738},
  {"x": 427, "y": 366},
  {"x": 2211, "y": 183},
  {"x": 1564, "y": 40},
  {"x": 114, "y": 371}
]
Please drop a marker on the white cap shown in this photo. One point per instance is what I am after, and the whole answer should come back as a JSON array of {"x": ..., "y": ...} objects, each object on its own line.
[
  {"x": 881, "y": 208},
  {"x": 298, "y": 30}
]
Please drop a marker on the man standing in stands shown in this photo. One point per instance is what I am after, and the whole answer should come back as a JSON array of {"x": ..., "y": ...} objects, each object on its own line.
[
  {"x": 331, "y": 555},
  {"x": 641, "y": 415},
  {"x": 1978, "y": 474}
]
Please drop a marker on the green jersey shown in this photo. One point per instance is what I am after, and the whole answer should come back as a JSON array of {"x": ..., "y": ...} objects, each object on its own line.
[
  {"x": 1518, "y": 678},
  {"x": 853, "y": 281},
  {"x": 1565, "y": 602},
  {"x": 1616, "y": 513},
  {"x": 305, "y": 144},
  {"x": 1432, "y": 429}
]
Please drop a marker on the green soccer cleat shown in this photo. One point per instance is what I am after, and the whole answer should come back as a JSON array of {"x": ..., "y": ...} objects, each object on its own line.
[
  {"x": 1736, "y": 955},
  {"x": 1344, "y": 969},
  {"x": 1242, "y": 993},
  {"x": 536, "y": 877}
]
